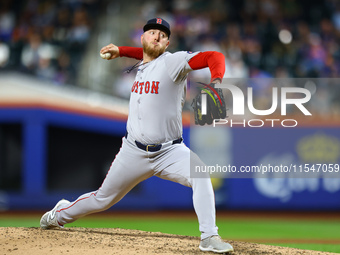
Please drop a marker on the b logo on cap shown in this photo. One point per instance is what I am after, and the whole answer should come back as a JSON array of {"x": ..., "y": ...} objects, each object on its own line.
[{"x": 159, "y": 21}]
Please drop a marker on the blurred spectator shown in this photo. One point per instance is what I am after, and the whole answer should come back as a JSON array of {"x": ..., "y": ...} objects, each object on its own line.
[
  {"x": 313, "y": 56},
  {"x": 7, "y": 20},
  {"x": 65, "y": 70},
  {"x": 30, "y": 54},
  {"x": 80, "y": 30},
  {"x": 62, "y": 25},
  {"x": 45, "y": 69},
  {"x": 46, "y": 38}
]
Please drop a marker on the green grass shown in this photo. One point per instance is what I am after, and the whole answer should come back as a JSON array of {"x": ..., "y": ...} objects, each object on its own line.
[
  {"x": 316, "y": 247},
  {"x": 19, "y": 222},
  {"x": 281, "y": 229},
  {"x": 257, "y": 230}
]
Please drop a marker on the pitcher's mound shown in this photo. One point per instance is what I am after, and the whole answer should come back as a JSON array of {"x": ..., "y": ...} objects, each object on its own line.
[{"x": 88, "y": 241}]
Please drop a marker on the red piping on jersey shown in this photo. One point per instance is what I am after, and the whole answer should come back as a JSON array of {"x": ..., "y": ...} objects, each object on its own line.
[
  {"x": 93, "y": 193},
  {"x": 212, "y": 59},
  {"x": 131, "y": 52}
]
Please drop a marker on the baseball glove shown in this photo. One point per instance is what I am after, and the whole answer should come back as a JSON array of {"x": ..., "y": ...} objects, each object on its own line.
[{"x": 216, "y": 107}]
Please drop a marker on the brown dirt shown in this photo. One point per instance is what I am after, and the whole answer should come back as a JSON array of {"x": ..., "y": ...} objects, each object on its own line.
[{"x": 84, "y": 241}]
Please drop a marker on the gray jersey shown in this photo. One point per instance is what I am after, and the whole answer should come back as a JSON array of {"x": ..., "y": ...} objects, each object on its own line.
[
  {"x": 156, "y": 101},
  {"x": 157, "y": 98}
]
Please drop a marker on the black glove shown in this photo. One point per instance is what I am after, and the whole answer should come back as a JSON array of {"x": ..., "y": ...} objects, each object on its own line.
[{"x": 216, "y": 107}]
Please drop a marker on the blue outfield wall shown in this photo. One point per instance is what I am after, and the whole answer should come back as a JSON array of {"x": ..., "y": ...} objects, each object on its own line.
[
  {"x": 249, "y": 147},
  {"x": 34, "y": 193},
  {"x": 307, "y": 152}
]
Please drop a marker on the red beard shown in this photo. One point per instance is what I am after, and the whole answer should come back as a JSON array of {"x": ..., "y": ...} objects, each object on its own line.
[{"x": 152, "y": 51}]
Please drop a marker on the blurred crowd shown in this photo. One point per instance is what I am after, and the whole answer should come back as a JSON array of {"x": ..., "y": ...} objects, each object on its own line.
[
  {"x": 260, "y": 38},
  {"x": 46, "y": 38},
  {"x": 294, "y": 38}
]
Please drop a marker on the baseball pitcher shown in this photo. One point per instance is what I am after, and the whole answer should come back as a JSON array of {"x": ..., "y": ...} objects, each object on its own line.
[{"x": 153, "y": 144}]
